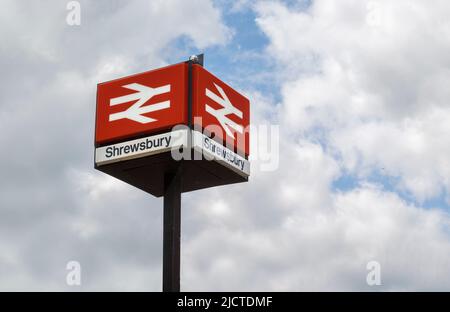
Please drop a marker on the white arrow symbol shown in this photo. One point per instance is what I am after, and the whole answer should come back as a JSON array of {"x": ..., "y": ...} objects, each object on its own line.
[
  {"x": 142, "y": 95},
  {"x": 227, "y": 108}
]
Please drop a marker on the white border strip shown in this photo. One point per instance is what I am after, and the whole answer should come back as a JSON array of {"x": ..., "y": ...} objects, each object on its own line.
[
  {"x": 141, "y": 147},
  {"x": 164, "y": 142},
  {"x": 215, "y": 151}
]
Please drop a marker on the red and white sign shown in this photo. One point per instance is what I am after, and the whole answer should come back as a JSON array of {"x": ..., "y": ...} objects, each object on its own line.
[
  {"x": 141, "y": 104},
  {"x": 219, "y": 105}
]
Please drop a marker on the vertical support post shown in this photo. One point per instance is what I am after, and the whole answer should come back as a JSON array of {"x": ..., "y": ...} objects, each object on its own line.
[
  {"x": 172, "y": 206},
  {"x": 172, "y": 231},
  {"x": 194, "y": 59},
  {"x": 190, "y": 69}
]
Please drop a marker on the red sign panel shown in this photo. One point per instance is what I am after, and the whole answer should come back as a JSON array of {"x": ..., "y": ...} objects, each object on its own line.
[
  {"x": 144, "y": 103},
  {"x": 218, "y": 106}
]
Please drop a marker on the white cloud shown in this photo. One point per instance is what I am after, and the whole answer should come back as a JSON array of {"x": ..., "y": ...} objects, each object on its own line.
[
  {"x": 320, "y": 250},
  {"x": 53, "y": 206},
  {"x": 290, "y": 230},
  {"x": 363, "y": 89},
  {"x": 371, "y": 76}
]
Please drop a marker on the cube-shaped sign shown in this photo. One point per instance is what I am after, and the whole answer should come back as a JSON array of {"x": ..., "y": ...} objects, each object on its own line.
[
  {"x": 141, "y": 104},
  {"x": 217, "y": 106},
  {"x": 135, "y": 139}
]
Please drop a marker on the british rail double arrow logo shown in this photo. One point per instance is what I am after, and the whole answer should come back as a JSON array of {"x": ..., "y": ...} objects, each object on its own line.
[
  {"x": 142, "y": 95},
  {"x": 221, "y": 113}
]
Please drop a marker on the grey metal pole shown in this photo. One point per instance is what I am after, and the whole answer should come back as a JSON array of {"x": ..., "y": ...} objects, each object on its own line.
[{"x": 172, "y": 230}]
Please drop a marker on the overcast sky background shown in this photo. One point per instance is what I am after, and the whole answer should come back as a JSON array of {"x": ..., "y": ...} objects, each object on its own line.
[{"x": 359, "y": 88}]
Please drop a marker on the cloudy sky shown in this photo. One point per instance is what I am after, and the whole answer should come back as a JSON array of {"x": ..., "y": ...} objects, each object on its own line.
[{"x": 360, "y": 91}]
